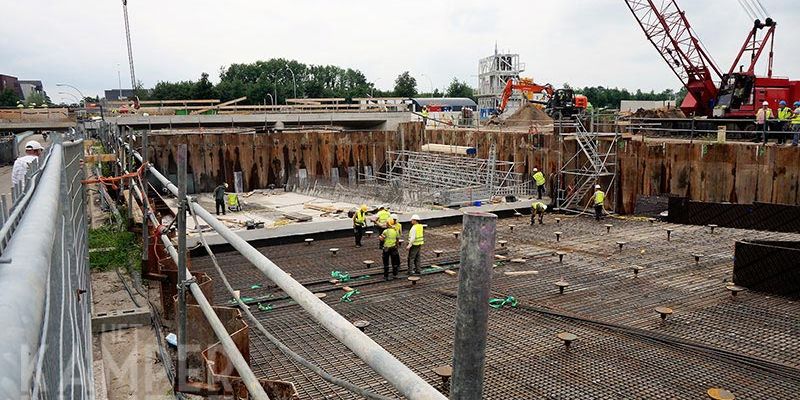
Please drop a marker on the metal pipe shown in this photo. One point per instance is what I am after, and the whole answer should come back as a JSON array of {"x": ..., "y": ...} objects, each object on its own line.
[
  {"x": 254, "y": 388},
  {"x": 182, "y": 364},
  {"x": 472, "y": 313},
  {"x": 381, "y": 361},
  {"x": 145, "y": 230}
]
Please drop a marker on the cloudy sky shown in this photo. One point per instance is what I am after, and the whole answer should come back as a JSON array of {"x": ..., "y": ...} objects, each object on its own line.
[{"x": 583, "y": 42}]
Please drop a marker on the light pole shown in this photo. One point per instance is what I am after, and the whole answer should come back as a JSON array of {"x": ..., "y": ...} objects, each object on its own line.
[
  {"x": 430, "y": 82},
  {"x": 73, "y": 87},
  {"x": 73, "y": 96},
  {"x": 294, "y": 81}
]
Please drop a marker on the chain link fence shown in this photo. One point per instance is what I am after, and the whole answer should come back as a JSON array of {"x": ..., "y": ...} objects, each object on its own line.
[{"x": 45, "y": 296}]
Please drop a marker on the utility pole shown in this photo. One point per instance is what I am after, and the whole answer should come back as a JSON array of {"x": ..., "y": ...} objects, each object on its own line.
[{"x": 183, "y": 366}]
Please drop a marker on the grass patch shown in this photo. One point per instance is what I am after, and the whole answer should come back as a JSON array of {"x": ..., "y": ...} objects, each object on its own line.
[{"x": 111, "y": 247}]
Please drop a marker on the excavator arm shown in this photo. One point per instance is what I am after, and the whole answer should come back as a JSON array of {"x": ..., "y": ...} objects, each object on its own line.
[{"x": 525, "y": 87}]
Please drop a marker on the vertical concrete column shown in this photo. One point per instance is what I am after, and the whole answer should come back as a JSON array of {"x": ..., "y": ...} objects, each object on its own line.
[{"x": 472, "y": 314}]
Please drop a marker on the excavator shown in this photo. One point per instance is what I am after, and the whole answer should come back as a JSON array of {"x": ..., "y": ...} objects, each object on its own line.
[{"x": 558, "y": 103}]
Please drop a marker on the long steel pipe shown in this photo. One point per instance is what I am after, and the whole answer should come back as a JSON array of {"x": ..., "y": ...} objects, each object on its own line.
[
  {"x": 248, "y": 377},
  {"x": 381, "y": 361}
]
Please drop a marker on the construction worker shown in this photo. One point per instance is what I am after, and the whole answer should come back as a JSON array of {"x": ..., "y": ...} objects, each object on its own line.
[
  {"x": 415, "y": 241},
  {"x": 382, "y": 216},
  {"x": 425, "y": 115},
  {"x": 397, "y": 225},
  {"x": 538, "y": 177},
  {"x": 796, "y": 123},
  {"x": 360, "y": 223},
  {"x": 599, "y": 198},
  {"x": 32, "y": 151},
  {"x": 785, "y": 115},
  {"x": 537, "y": 210},
  {"x": 389, "y": 239},
  {"x": 219, "y": 197},
  {"x": 763, "y": 115}
]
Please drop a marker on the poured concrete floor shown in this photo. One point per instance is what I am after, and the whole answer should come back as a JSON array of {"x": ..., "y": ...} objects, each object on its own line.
[{"x": 749, "y": 345}]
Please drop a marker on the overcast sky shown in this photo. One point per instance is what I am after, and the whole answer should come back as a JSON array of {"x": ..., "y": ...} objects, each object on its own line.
[{"x": 583, "y": 42}]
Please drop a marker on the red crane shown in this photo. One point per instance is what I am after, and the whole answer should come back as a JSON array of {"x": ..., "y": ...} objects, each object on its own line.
[{"x": 740, "y": 92}]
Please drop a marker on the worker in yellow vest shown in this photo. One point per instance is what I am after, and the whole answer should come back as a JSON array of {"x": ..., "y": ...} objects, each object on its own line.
[
  {"x": 785, "y": 115},
  {"x": 599, "y": 198},
  {"x": 538, "y": 177},
  {"x": 360, "y": 223},
  {"x": 382, "y": 216},
  {"x": 415, "y": 241},
  {"x": 389, "y": 238},
  {"x": 796, "y": 123},
  {"x": 537, "y": 210},
  {"x": 397, "y": 225}
]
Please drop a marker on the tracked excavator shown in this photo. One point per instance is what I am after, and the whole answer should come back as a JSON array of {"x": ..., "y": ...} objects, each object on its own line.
[{"x": 557, "y": 103}]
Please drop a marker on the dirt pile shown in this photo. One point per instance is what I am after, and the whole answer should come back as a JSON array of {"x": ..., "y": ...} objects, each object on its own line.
[
  {"x": 671, "y": 112},
  {"x": 526, "y": 115}
]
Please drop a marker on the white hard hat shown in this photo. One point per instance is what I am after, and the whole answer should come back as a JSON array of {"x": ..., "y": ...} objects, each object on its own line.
[
  {"x": 33, "y": 145},
  {"x": 394, "y": 217},
  {"x": 597, "y": 186},
  {"x": 535, "y": 169},
  {"x": 766, "y": 103},
  {"x": 415, "y": 217}
]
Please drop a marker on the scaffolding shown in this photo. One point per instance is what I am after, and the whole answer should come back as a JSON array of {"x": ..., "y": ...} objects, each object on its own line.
[
  {"x": 448, "y": 179},
  {"x": 593, "y": 162},
  {"x": 493, "y": 73}
]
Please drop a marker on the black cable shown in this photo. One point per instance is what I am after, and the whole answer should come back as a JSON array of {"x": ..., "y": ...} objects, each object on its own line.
[{"x": 282, "y": 347}]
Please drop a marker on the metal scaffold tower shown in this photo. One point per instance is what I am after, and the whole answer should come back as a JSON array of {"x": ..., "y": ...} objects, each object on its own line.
[
  {"x": 449, "y": 179},
  {"x": 593, "y": 162}
]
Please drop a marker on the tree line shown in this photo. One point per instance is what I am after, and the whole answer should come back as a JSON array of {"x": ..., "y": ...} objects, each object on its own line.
[
  {"x": 275, "y": 80},
  {"x": 602, "y": 97}
]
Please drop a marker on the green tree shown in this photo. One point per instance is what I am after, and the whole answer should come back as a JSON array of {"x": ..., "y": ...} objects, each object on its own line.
[
  {"x": 36, "y": 98},
  {"x": 405, "y": 85},
  {"x": 172, "y": 90},
  {"x": 460, "y": 89},
  {"x": 203, "y": 88},
  {"x": 8, "y": 98}
]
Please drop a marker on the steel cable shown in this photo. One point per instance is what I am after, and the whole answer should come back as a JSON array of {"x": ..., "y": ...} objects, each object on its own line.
[{"x": 282, "y": 347}]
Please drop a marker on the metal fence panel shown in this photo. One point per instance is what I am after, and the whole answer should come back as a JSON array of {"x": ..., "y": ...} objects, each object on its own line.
[{"x": 45, "y": 298}]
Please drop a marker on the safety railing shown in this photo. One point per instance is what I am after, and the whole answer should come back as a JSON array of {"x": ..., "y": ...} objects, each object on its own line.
[
  {"x": 381, "y": 361},
  {"x": 45, "y": 343}
]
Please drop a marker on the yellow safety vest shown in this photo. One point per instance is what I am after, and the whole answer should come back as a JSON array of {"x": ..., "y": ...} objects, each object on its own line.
[
  {"x": 539, "y": 178},
  {"x": 785, "y": 113},
  {"x": 538, "y": 206},
  {"x": 796, "y": 118},
  {"x": 233, "y": 200},
  {"x": 418, "y": 235},
  {"x": 399, "y": 228},
  {"x": 599, "y": 197},
  {"x": 359, "y": 219},
  {"x": 389, "y": 237},
  {"x": 383, "y": 216}
]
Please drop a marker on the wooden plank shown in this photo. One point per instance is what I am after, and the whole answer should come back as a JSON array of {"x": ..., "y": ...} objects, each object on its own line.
[
  {"x": 295, "y": 216},
  {"x": 328, "y": 208},
  {"x": 95, "y": 158},
  {"x": 203, "y": 101},
  {"x": 227, "y": 103}
]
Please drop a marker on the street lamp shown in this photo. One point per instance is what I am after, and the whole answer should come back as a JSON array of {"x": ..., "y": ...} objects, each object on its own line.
[
  {"x": 430, "y": 82},
  {"x": 294, "y": 82},
  {"x": 271, "y": 99},
  {"x": 73, "y": 87},
  {"x": 79, "y": 101}
]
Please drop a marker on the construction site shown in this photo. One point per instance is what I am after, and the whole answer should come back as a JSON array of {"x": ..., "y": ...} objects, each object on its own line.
[{"x": 212, "y": 248}]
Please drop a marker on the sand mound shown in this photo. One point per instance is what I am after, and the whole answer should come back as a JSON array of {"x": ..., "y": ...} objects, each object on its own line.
[
  {"x": 659, "y": 113},
  {"x": 526, "y": 115}
]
